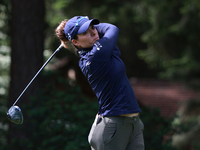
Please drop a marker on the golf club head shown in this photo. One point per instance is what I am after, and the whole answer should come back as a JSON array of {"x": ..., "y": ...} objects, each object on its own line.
[{"x": 14, "y": 114}]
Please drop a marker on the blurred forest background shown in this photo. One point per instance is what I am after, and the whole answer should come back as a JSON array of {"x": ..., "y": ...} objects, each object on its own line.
[{"x": 158, "y": 40}]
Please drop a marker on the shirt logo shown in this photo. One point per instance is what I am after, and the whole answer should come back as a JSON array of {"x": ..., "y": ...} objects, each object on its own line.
[
  {"x": 88, "y": 63},
  {"x": 98, "y": 45}
]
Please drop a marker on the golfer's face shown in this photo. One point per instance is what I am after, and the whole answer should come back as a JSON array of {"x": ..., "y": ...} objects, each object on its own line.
[{"x": 88, "y": 38}]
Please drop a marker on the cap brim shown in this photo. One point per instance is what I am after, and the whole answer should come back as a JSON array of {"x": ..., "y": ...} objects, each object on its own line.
[{"x": 86, "y": 25}]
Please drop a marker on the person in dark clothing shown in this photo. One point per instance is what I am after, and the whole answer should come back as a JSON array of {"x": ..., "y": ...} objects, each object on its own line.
[{"x": 117, "y": 125}]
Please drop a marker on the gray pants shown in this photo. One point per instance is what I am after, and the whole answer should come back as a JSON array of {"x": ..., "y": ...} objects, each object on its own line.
[{"x": 117, "y": 133}]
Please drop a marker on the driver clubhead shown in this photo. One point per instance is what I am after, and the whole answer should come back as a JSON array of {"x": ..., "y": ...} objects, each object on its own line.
[{"x": 14, "y": 114}]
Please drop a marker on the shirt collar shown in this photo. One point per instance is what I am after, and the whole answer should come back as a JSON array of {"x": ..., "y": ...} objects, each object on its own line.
[{"x": 83, "y": 51}]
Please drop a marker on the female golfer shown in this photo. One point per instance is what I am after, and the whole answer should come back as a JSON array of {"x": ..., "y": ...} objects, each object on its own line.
[{"x": 117, "y": 125}]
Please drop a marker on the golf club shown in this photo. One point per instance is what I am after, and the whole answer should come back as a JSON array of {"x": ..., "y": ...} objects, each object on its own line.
[{"x": 14, "y": 114}]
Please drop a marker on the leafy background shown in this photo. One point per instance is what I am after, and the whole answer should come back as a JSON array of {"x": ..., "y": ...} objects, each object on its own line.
[{"x": 158, "y": 39}]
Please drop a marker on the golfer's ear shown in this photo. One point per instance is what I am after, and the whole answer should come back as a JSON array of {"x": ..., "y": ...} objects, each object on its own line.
[{"x": 75, "y": 42}]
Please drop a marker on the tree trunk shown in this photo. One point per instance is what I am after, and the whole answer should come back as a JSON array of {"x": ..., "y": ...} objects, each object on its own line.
[{"x": 27, "y": 45}]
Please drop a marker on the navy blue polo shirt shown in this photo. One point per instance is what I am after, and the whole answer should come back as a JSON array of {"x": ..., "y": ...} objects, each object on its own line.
[{"x": 106, "y": 74}]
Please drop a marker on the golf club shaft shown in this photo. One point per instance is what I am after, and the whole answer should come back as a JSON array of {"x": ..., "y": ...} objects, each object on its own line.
[{"x": 38, "y": 73}]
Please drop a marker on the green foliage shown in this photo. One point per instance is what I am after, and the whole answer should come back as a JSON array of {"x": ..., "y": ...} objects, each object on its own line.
[
  {"x": 4, "y": 80},
  {"x": 121, "y": 13},
  {"x": 59, "y": 117},
  {"x": 3, "y": 124},
  {"x": 4, "y": 22},
  {"x": 165, "y": 32},
  {"x": 4, "y": 51},
  {"x": 157, "y": 38},
  {"x": 4, "y": 67},
  {"x": 186, "y": 126},
  {"x": 172, "y": 37},
  {"x": 156, "y": 127}
]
